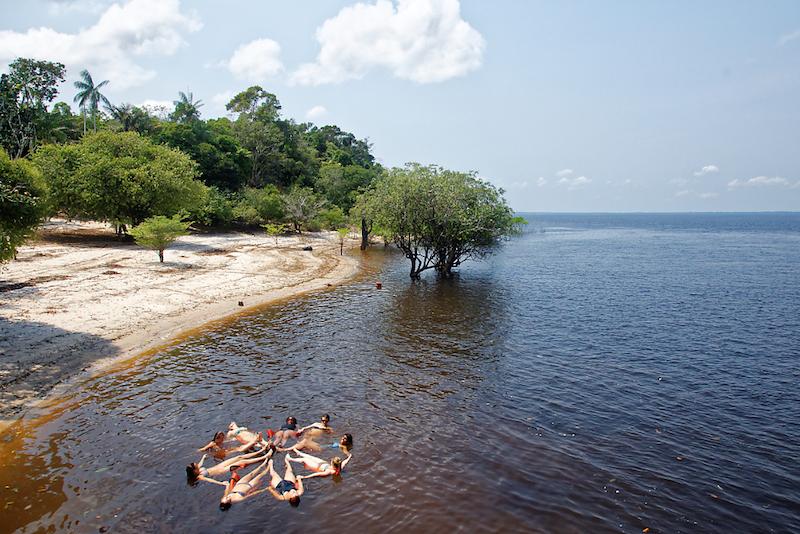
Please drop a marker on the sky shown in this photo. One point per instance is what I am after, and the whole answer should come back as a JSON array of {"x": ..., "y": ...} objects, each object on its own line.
[{"x": 568, "y": 106}]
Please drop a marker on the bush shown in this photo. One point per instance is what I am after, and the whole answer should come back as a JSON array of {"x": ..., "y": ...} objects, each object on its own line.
[
  {"x": 332, "y": 218},
  {"x": 216, "y": 210},
  {"x": 22, "y": 203},
  {"x": 159, "y": 232},
  {"x": 258, "y": 206}
]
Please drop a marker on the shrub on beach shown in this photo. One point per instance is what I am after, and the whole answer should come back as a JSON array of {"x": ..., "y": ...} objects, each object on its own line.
[
  {"x": 159, "y": 232},
  {"x": 22, "y": 203}
]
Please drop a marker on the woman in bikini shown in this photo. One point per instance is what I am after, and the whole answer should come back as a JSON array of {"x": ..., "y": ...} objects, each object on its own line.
[
  {"x": 289, "y": 488},
  {"x": 345, "y": 444},
  {"x": 321, "y": 426},
  {"x": 242, "y": 488},
  {"x": 288, "y": 430},
  {"x": 196, "y": 471},
  {"x": 218, "y": 449},
  {"x": 244, "y": 436},
  {"x": 320, "y": 467}
]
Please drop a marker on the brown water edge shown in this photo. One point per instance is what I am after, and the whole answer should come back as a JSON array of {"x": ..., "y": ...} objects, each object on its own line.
[{"x": 23, "y": 476}]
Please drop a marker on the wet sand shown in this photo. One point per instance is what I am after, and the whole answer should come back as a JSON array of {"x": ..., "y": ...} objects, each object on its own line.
[{"x": 77, "y": 300}]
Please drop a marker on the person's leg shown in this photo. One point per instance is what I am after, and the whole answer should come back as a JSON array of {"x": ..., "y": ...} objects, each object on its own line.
[
  {"x": 276, "y": 478},
  {"x": 249, "y": 476},
  {"x": 289, "y": 472}
]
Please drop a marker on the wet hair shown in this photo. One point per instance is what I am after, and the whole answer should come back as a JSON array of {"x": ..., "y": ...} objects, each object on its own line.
[
  {"x": 291, "y": 420},
  {"x": 347, "y": 440},
  {"x": 294, "y": 501},
  {"x": 326, "y": 417},
  {"x": 224, "y": 505},
  {"x": 219, "y": 434},
  {"x": 337, "y": 464},
  {"x": 191, "y": 473}
]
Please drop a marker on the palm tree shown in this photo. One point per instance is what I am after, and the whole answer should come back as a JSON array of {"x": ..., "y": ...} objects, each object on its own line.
[
  {"x": 89, "y": 95},
  {"x": 186, "y": 108}
]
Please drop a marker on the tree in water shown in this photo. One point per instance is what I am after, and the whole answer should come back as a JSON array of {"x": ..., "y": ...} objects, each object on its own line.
[
  {"x": 159, "y": 232},
  {"x": 439, "y": 218},
  {"x": 89, "y": 95}
]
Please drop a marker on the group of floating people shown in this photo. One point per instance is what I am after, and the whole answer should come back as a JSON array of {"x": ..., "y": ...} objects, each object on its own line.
[{"x": 250, "y": 448}]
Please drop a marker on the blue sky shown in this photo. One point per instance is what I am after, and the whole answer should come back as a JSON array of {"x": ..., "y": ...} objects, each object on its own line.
[{"x": 569, "y": 106}]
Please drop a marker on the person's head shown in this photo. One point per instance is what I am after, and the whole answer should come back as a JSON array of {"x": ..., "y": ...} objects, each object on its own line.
[
  {"x": 346, "y": 440},
  {"x": 233, "y": 426},
  {"x": 291, "y": 420},
  {"x": 219, "y": 438},
  {"x": 325, "y": 419},
  {"x": 294, "y": 500},
  {"x": 225, "y": 503},
  {"x": 192, "y": 472},
  {"x": 336, "y": 463}
]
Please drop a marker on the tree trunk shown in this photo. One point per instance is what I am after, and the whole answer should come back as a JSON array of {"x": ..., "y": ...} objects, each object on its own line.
[
  {"x": 84, "y": 121},
  {"x": 364, "y": 234},
  {"x": 341, "y": 248},
  {"x": 161, "y": 255}
]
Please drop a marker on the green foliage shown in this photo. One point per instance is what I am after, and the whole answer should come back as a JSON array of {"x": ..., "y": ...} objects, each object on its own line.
[
  {"x": 437, "y": 217},
  {"x": 331, "y": 218},
  {"x": 24, "y": 94},
  {"x": 274, "y": 230},
  {"x": 129, "y": 118},
  {"x": 158, "y": 232},
  {"x": 340, "y": 184},
  {"x": 342, "y": 236},
  {"x": 301, "y": 206},
  {"x": 187, "y": 109},
  {"x": 119, "y": 177},
  {"x": 222, "y": 161},
  {"x": 258, "y": 206},
  {"x": 215, "y": 210},
  {"x": 22, "y": 203}
]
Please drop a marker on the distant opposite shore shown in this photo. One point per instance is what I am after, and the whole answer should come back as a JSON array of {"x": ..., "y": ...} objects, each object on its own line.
[{"x": 77, "y": 299}]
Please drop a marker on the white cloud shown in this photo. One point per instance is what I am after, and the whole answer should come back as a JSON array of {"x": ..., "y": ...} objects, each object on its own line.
[
  {"x": 425, "y": 41},
  {"x": 564, "y": 172},
  {"x": 316, "y": 112},
  {"x": 574, "y": 183},
  {"x": 256, "y": 61},
  {"x": 762, "y": 181},
  {"x": 219, "y": 101},
  {"x": 789, "y": 37},
  {"x": 57, "y": 8},
  {"x": 107, "y": 48},
  {"x": 541, "y": 182},
  {"x": 708, "y": 169}
]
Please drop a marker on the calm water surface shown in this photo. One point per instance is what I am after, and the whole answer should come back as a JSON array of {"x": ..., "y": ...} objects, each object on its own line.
[{"x": 601, "y": 373}]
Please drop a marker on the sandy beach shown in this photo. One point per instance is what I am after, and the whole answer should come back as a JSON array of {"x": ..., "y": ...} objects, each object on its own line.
[{"x": 77, "y": 300}]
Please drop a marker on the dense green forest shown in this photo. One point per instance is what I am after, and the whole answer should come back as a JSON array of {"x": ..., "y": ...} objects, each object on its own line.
[{"x": 120, "y": 163}]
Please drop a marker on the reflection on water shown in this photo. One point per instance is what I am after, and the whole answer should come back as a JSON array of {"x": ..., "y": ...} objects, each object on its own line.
[{"x": 608, "y": 377}]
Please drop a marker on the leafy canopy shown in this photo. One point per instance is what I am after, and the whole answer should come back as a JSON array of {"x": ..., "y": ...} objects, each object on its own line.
[
  {"x": 22, "y": 203},
  {"x": 159, "y": 232}
]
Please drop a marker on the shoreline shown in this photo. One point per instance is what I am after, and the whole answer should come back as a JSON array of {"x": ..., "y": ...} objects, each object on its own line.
[{"x": 57, "y": 350}]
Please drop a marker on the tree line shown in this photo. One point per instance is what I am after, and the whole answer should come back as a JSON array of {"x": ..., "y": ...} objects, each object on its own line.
[{"x": 125, "y": 164}]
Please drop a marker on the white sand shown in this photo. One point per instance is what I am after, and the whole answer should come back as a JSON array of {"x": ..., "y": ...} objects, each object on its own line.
[{"x": 90, "y": 300}]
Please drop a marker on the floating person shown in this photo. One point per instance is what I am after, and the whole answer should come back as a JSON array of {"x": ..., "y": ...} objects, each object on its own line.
[
  {"x": 321, "y": 425},
  {"x": 288, "y": 430},
  {"x": 196, "y": 471},
  {"x": 289, "y": 488},
  {"x": 242, "y": 488},
  {"x": 320, "y": 467},
  {"x": 244, "y": 436},
  {"x": 345, "y": 444},
  {"x": 217, "y": 446}
]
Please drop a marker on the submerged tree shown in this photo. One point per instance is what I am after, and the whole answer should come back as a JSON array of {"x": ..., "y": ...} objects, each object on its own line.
[
  {"x": 159, "y": 232},
  {"x": 439, "y": 218}
]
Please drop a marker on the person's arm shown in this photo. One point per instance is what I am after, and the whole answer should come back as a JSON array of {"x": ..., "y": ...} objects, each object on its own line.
[
  {"x": 315, "y": 475},
  {"x": 300, "y": 488},
  {"x": 275, "y": 494},
  {"x": 346, "y": 460},
  {"x": 203, "y": 459},
  {"x": 206, "y": 479},
  {"x": 209, "y": 446}
]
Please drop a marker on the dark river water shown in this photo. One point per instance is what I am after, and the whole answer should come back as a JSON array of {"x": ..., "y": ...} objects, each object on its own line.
[{"x": 600, "y": 373}]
